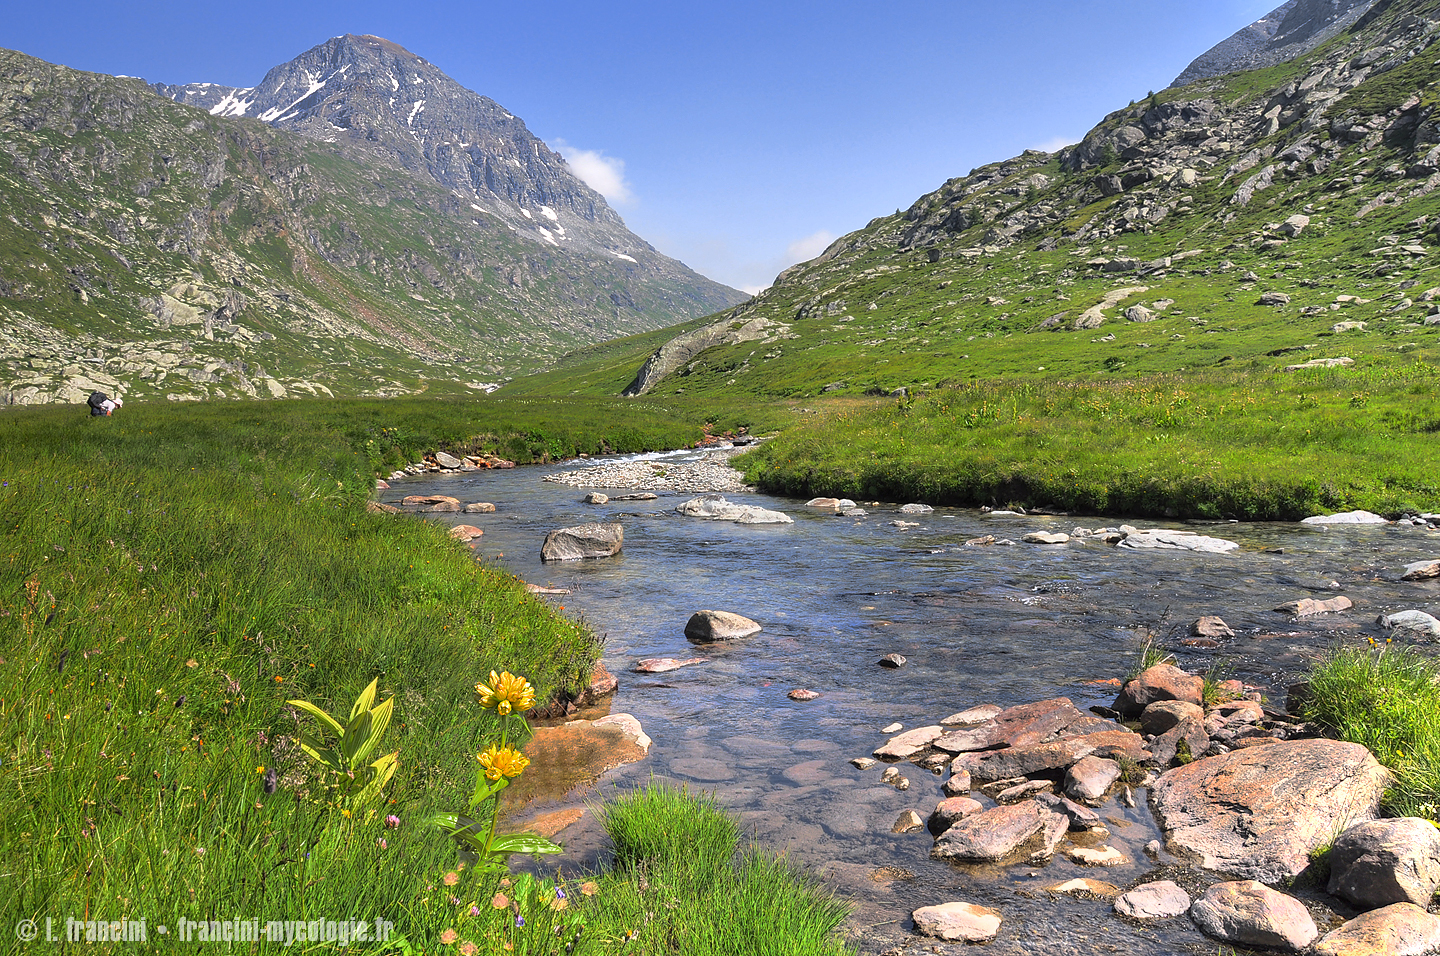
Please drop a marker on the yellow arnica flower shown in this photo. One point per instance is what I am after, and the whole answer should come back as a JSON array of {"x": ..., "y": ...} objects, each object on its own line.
[
  {"x": 506, "y": 693},
  {"x": 502, "y": 762}
]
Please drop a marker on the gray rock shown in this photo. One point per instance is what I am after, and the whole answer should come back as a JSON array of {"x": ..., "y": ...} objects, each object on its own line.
[
  {"x": 1184, "y": 742},
  {"x": 1400, "y": 929},
  {"x": 1421, "y": 570},
  {"x": 1380, "y": 862},
  {"x": 892, "y": 661},
  {"x": 1001, "y": 832},
  {"x": 908, "y": 744},
  {"x": 1347, "y": 517},
  {"x": 1260, "y": 811},
  {"x": 1307, "y": 607},
  {"x": 1274, "y": 298},
  {"x": 591, "y": 540},
  {"x": 1161, "y": 539},
  {"x": 1212, "y": 627},
  {"x": 1417, "y": 622},
  {"x": 1159, "y": 900},
  {"x": 916, "y": 509},
  {"x": 597, "y": 498},
  {"x": 1138, "y": 313},
  {"x": 445, "y": 460},
  {"x": 1045, "y": 537},
  {"x": 1090, "y": 777},
  {"x": 1162, "y": 715},
  {"x": 958, "y": 922},
  {"x": 716, "y": 508},
  {"x": 1081, "y": 818},
  {"x": 708, "y": 627},
  {"x": 1251, "y": 913},
  {"x": 479, "y": 508}
]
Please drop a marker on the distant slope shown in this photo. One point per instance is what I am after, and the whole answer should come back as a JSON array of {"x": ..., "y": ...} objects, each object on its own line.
[
  {"x": 1259, "y": 220},
  {"x": 151, "y": 249},
  {"x": 1292, "y": 29}
]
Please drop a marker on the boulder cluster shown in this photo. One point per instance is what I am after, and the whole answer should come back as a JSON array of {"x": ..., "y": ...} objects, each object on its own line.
[{"x": 1240, "y": 791}]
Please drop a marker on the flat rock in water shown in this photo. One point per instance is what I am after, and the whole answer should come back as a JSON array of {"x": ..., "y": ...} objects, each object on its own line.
[
  {"x": 661, "y": 665},
  {"x": 541, "y": 589},
  {"x": 1348, "y": 517},
  {"x": 1421, "y": 570},
  {"x": 1380, "y": 862},
  {"x": 1045, "y": 537},
  {"x": 597, "y": 498},
  {"x": 1085, "y": 889},
  {"x": 709, "y": 627},
  {"x": 1081, "y": 818},
  {"x": 995, "y": 834},
  {"x": 1027, "y": 723},
  {"x": 801, "y": 694},
  {"x": 716, "y": 508},
  {"x": 1307, "y": 607},
  {"x": 892, "y": 661},
  {"x": 824, "y": 504},
  {"x": 1417, "y": 622},
  {"x": 1055, "y": 755},
  {"x": 973, "y": 716},
  {"x": 1248, "y": 912},
  {"x": 1096, "y": 856},
  {"x": 908, "y": 744},
  {"x": 916, "y": 509},
  {"x": 908, "y": 822},
  {"x": 431, "y": 503},
  {"x": 1260, "y": 811},
  {"x": 636, "y": 496},
  {"x": 465, "y": 532},
  {"x": 1161, "y": 539},
  {"x": 1400, "y": 929},
  {"x": 591, "y": 540},
  {"x": 479, "y": 508},
  {"x": 1159, "y": 900},
  {"x": 957, "y": 922}
]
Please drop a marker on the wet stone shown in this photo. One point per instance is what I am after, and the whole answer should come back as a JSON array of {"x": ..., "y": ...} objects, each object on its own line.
[
  {"x": 958, "y": 922},
  {"x": 801, "y": 694},
  {"x": 1159, "y": 900},
  {"x": 891, "y": 661},
  {"x": 1082, "y": 888},
  {"x": 908, "y": 822}
]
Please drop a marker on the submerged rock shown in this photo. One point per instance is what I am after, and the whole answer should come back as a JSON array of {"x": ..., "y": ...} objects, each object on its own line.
[
  {"x": 1161, "y": 539},
  {"x": 1347, "y": 517},
  {"x": 716, "y": 508}
]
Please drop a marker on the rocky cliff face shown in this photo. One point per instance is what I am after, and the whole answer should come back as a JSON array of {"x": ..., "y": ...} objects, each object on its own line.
[
  {"x": 1290, "y": 30},
  {"x": 150, "y": 248},
  {"x": 1207, "y": 217}
]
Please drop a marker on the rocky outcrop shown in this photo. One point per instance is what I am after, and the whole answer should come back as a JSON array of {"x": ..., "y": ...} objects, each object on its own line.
[{"x": 1260, "y": 811}]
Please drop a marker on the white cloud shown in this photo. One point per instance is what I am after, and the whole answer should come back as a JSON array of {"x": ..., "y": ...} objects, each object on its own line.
[
  {"x": 1055, "y": 143},
  {"x": 803, "y": 250},
  {"x": 604, "y": 174}
]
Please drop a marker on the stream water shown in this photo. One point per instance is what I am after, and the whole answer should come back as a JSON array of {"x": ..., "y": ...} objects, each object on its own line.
[{"x": 1002, "y": 625}]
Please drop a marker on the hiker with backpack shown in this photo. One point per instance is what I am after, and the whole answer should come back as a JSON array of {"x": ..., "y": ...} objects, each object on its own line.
[{"x": 102, "y": 404}]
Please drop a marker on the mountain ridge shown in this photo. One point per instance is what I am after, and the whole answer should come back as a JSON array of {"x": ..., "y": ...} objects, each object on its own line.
[{"x": 153, "y": 249}]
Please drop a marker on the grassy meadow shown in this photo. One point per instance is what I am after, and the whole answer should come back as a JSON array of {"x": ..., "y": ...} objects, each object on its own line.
[
  {"x": 172, "y": 575},
  {"x": 1209, "y": 445}
]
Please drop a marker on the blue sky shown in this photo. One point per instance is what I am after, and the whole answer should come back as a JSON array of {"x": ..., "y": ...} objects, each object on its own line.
[{"x": 739, "y": 137}]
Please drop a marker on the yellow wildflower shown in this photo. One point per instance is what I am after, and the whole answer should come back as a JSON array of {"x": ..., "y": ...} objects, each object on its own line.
[
  {"x": 502, "y": 762},
  {"x": 506, "y": 693}
]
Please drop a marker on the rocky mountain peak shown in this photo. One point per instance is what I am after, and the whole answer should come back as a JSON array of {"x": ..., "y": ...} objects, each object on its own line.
[
  {"x": 369, "y": 96},
  {"x": 1292, "y": 29}
]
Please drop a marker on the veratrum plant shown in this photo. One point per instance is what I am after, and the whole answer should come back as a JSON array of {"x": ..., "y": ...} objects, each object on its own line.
[{"x": 345, "y": 749}]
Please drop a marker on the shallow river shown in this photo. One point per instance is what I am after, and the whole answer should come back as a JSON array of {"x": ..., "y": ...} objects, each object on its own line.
[{"x": 1002, "y": 625}]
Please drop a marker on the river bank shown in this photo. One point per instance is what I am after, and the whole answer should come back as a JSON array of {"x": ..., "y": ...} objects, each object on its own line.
[{"x": 976, "y": 623}]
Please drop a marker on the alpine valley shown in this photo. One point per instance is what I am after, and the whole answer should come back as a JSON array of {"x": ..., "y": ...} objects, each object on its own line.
[{"x": 357, "y": 223}]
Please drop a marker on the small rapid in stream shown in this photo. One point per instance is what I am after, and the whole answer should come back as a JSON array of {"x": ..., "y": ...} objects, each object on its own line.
[{"x": 1000, "y": 624}]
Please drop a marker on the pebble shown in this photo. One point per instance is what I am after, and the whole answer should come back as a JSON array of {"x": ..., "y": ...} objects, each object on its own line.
[
  {"x": 892, "y": 661},
  {"x": 801, "y": 693},
  {"x": 894, "y": 728},
  {"x": 864, "y": 763}
]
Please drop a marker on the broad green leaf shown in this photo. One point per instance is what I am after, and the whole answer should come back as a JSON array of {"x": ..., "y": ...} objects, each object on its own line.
[
  {"x": 380, "y": 719},
  {"x": 330, "y": 722},
  {"x": 523, "y": 843},
  {"x": 365, "y": 700},
  {"x": 356, "y": 734}
]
